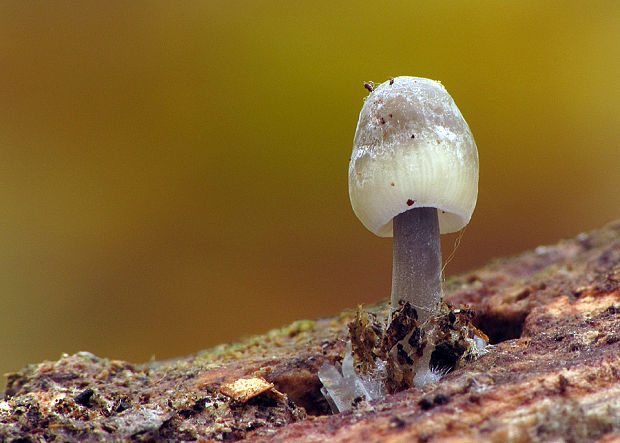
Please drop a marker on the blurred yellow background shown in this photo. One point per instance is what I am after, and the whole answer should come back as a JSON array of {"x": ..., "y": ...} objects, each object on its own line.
[{"x": 174, "y": 175}]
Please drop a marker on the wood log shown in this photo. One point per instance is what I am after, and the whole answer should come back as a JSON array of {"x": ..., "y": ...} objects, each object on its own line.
[{"x": 551, "y": 374}]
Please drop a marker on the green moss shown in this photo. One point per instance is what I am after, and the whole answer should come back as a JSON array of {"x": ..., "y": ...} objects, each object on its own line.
[{"x": 273, "y": 338}]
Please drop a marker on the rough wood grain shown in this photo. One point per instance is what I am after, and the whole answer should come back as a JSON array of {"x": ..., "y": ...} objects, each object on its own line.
[{"x": 553, "y": 373}]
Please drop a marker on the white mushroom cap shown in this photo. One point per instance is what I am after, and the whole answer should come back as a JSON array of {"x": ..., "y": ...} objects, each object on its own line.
[{"x": 412, "y": 149}]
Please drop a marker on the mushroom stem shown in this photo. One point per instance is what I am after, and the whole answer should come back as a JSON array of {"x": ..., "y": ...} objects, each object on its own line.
[{"x": 416, "y": 271}]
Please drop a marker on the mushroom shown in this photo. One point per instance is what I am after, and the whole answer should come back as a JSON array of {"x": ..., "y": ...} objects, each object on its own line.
[{"x": 413, "y": 174}]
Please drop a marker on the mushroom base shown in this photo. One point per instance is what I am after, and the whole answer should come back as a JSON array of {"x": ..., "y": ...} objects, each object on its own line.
[{"x": 384, "y": 360}]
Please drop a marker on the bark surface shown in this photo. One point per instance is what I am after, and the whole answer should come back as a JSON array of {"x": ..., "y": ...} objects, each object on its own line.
[{"x": 553, "y": 372}]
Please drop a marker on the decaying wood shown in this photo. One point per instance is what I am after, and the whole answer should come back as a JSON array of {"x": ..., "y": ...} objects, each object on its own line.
[{"x": 553, "y": 373}]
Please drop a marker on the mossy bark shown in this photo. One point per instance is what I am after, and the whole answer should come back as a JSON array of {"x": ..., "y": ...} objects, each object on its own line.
[{"x": 553, "y": 372}]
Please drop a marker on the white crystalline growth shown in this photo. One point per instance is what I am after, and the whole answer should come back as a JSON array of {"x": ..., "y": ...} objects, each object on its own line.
[
  {"x": 425, "y": 373},
  {"x": 343, "y": 389}
]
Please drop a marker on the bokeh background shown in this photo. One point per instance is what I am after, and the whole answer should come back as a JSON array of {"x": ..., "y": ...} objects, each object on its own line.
[{"x": 173, "y": 175}]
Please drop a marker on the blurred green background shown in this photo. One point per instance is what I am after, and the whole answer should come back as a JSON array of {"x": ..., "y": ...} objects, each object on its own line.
[{"x": 174, "y": 175}]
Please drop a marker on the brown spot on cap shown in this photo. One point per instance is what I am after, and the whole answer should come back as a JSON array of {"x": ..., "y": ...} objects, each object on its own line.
[
  {"x": 382, "y": 121},
  {"x": 390, "y": 115},
  {"x": 410, "y": 202},
  {"x": 412, "y": 135},
  {"x": 369, "y": 87},
  {"x": 392, "y": 184}
]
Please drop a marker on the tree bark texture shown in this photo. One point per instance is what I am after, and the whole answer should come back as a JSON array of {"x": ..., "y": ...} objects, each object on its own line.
[{"x": 552, "y": 372}]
